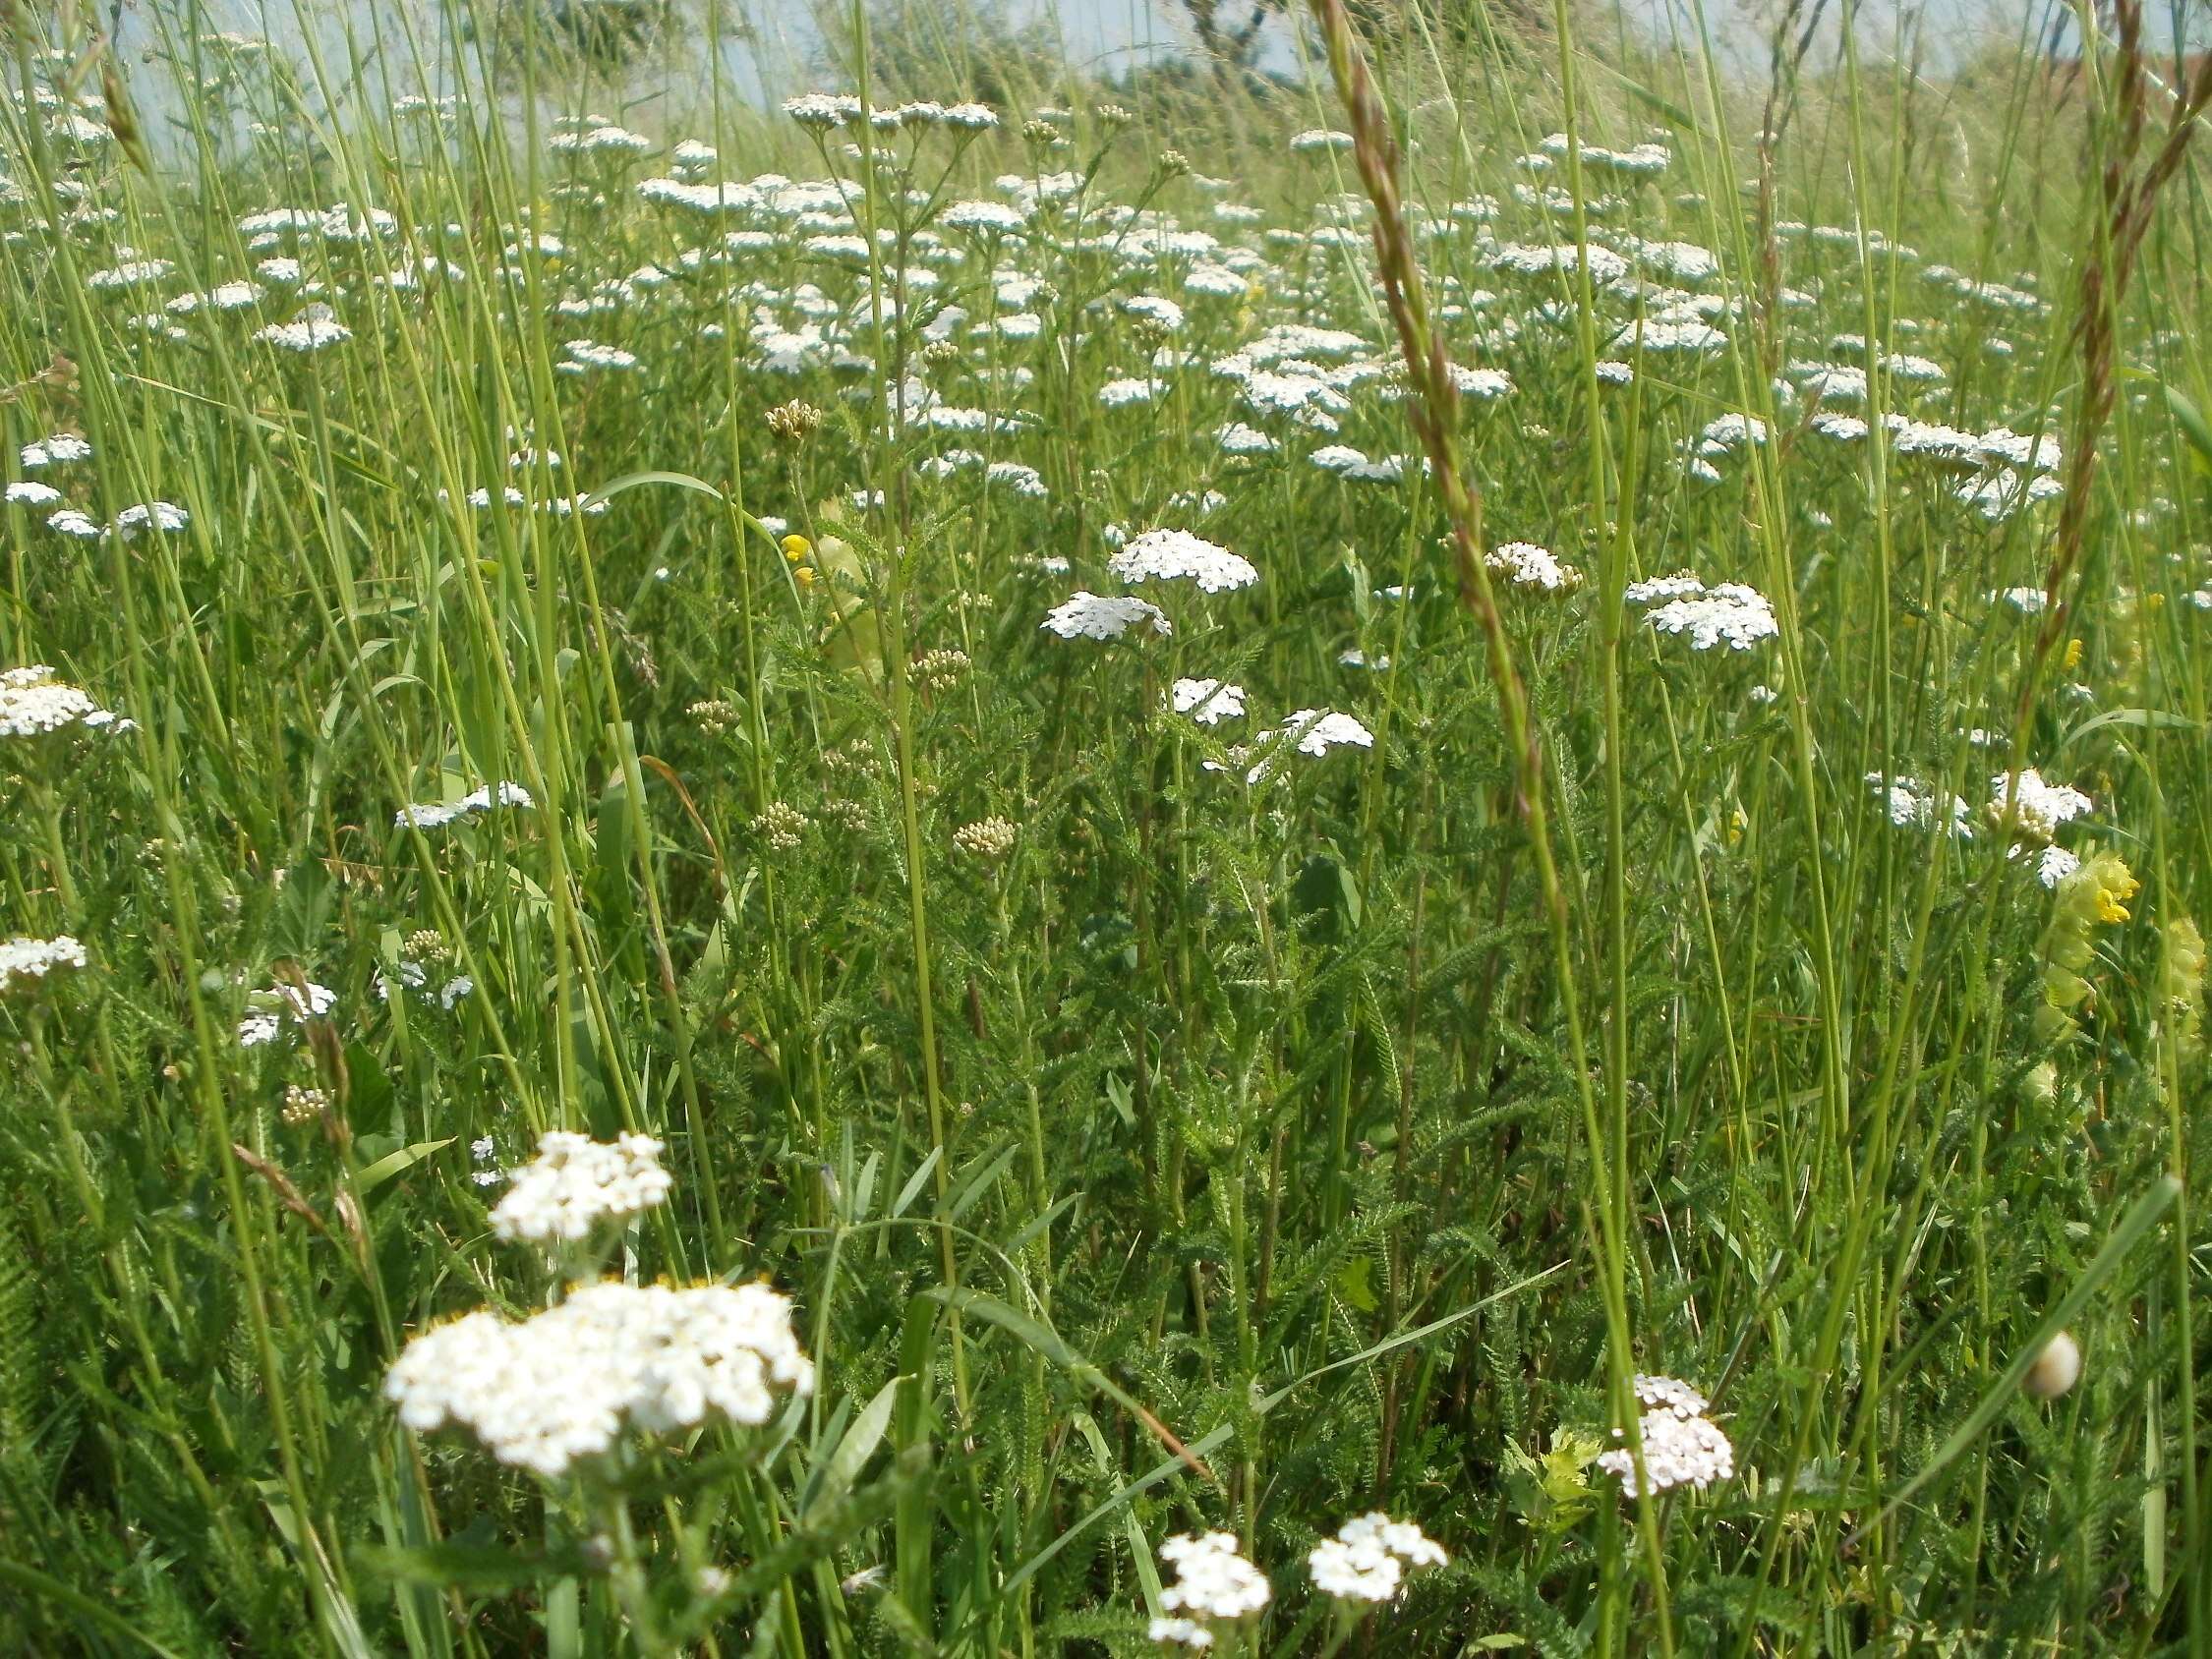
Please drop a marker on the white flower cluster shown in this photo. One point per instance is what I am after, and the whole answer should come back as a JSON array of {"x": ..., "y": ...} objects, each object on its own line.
[
  {"x": 436, "y": 814},
  {"x": 1167, "y": 555},
  {"x": 1207, "y": 702},
  {"x": 411, "y": 975},
  {"x": 1683, "y": 1446},
  {"x": 2038, "y": 809},
  {"x": 280, "y": 1005},
  {"x": 1213, "y": 1585},
  {"x": 1308, "y": 731},
  {"x": 1913, "y": 805},
  {"x": 25, "y": 963},
  {"x": 32, "y": 703},
  {"x": 164, "y": 516},
  {"x": 994, "y": 217},
  {"x": 56, "y": 450},
  {"x": 1643, "y": 160},
  {"x": 1526, "y": 565},
  {"x": 828, "y": 111},
  {"x": 1353, "y": 465},
  {"x": 1730, "y": 614},
  {"x": 2005, "y": 492},
  {"x": 576, "y": 1182},
  {"x": 1318, "y": 730},
  {"x": 1094, "y": 617},
  {"x": 1367, "y": 1560},
  {"x": 131, "y": 273},
  {"x": 1531, "y": 259},
  {"x": 565, "y": 1384},
  {"x": 309, "y": 332},
  {"x": 587, "y": 355},
  {"x": 591, "y": 135}
]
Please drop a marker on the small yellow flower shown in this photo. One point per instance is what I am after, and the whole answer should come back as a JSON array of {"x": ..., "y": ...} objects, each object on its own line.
[
  {"x": 804, "y": 576},
  {"x": 2073, "y": 655},
  {"x": 795, "y": 548},
  {"x": 2109, "y": 908}
]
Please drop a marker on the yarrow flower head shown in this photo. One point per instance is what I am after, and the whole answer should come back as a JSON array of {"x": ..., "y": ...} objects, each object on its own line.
[
  {"x": 2034, "y": 808},
  {"x": 1207, "y": 702},
  {"x": 781, "y": 826},
  {"x": 575, "y": 1184},
  {"x": 54, "y": 451},
  {"x": 1913, "y": 805},
  {"x": 565, "y": 1385},
  {"x": 1318, "y": 730},
  {"x": 987, "y": 841},
  {"x": 1094, "y": 617},
  {"x": 1730, "y": 614},
  {"x": 1526, "y": 565},
  {"x": 1213, "y": 1585},
  {"x": 309, "y": 332},
  {"x": 822, "y": 111},
  {"x": 25, "y": 965},
  {"x": 281, "y": 1006},
  {"x": 1368, "y": 1558},
  {"x": 1168, "y": 556},
  {"x": 1682, "y": 1445},
  {"x": 436, "y": 814},
  {"x": 1308, "y": 731},
  {"x": 34, "y": 703}
]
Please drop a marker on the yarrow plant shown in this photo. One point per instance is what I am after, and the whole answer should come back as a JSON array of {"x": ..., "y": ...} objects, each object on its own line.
[
  {"x": 29, "y": 964},
  {"x": 1730, "y": 614},
  {"x": 567, "y": 1384},
  {"x": 1680, "y": 1445},
  {"x": 1091, "y": 616},
  {"x": 1368, "y": 1558},
  {"x": 1169, "y": 556},
  {"x": 576, "y": 1184},
  {"x": 1214, "y": 1589}
]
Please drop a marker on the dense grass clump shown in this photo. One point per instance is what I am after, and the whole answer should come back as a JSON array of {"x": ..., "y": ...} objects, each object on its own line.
[{"x": 1326, "y": 869}]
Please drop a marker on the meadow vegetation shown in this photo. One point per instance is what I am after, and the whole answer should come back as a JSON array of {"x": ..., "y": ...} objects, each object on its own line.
[{"x": 1408, "y": 859}]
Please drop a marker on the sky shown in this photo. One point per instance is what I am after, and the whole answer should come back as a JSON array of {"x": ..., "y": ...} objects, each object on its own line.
[{"x": 1110, "y": 34}]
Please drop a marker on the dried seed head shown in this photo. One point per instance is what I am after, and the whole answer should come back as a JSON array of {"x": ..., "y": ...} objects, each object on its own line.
[
  {"x": 989, "y": 840},
  {"x": 715, "y": 715},
  {"x": 781, "y": 826},
  {"x": 303, "y": 1107},
  {"x": 941, "y": 670},
  {"x": 795, "y": 422}
]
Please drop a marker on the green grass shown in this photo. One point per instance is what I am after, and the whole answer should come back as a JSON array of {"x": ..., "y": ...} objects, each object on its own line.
[{"x": 1215, "y": 1154}]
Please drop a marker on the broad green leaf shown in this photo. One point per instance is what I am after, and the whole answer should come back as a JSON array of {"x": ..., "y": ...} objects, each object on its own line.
[
  {"x": 858, "y": 1445},
  {"x": 389, "y": 1166},
  {"x": 632, "y": 481}
]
